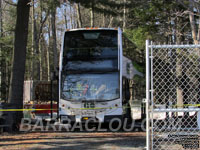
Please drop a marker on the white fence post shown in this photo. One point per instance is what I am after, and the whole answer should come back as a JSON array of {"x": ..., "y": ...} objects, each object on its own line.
[{"x": 147, "y": 96}]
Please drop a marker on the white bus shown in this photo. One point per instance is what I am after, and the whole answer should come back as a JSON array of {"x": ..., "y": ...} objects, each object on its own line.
[{"x": 94, "y": 76}]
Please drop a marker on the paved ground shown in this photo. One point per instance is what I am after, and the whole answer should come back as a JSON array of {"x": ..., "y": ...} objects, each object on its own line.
[{"x": 73, "y": 141}]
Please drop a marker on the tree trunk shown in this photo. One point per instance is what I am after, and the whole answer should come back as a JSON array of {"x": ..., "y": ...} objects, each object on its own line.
[
  {"x": 1, "y": 34},
  {"x": 74, "y": 16},
  {"x": 33, "y": 41},
  {"x": 110, "y": 23},
  {"x": 193, "y": 28},
  {"x": 39, "y": 40},
  {"x": 49, "y": 48},
  {"x": 37, "y": 51},
  {"x": 53, "y": 27},
  {"x": 47, "y": 59},
  {"x": 124, "y": 16},
  {"x": 65, "y": 17},
  {"x": 40, "y": 59},
  {"x": 198, "y": 35},
  {"x": 1, "y": 51},
  {"x": 18, "y": 70},
  {"x": 2, "y": 60},
  {"x": 79, "y": 15},
  {"x": 192, "y": 22},
  {"x": 71, "y": 21},
  {"x": 103, "y": 20},
  {"x": 35, "y": 47},
  {"x": 92, "y": 15}
]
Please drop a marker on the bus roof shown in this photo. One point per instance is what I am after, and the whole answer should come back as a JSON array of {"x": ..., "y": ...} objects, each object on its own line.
[{"x": 91, "y": 28}]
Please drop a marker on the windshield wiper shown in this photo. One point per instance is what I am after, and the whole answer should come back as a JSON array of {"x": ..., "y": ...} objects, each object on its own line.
[{"x": 91, "y": 100}]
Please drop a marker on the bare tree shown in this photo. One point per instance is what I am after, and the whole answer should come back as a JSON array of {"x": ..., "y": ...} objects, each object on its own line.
[{"x": 193, "y": 9}]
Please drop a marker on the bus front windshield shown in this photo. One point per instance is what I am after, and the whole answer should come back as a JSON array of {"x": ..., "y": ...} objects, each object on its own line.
[{"x": 99, "y": 87}]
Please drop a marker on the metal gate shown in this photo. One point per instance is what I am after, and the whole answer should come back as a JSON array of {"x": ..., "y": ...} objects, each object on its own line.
[{"x": 173, "y": 96}]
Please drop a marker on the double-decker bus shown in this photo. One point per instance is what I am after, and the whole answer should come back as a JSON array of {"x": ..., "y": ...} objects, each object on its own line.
[{"x": 94, "y": 76}]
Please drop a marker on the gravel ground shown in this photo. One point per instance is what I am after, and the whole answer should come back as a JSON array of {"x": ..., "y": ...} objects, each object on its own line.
[{"x": 73, "y": 141}]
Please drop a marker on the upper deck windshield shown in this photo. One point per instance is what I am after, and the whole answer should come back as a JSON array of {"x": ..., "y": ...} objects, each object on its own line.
[{"x": 89, "y": 45}]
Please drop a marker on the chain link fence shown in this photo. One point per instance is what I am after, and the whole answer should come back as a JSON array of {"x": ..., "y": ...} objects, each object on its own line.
[{"x": 173, "y": 97}]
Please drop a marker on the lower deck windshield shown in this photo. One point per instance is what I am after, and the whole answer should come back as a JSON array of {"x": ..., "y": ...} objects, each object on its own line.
[{"x": 97, "y": 87}]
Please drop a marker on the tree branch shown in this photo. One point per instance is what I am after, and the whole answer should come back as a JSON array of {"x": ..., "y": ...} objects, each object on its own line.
[
  {"x": 42, "y": 23},
  {"x": 10, "y": 3}
]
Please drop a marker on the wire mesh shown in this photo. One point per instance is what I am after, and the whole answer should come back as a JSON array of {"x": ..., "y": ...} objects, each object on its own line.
[{"x": 175, "y": 97}]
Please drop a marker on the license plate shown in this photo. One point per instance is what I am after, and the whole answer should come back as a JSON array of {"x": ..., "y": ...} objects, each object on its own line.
[{"x": 88, "y": 113}]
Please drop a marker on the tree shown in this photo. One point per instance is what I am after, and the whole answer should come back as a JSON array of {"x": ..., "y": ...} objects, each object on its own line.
[
  {"x": 53, "y": 6},
  {"x": 8, "y": 15},
  {"x": 92, "y": 10},
  {"x": 192, "y": 8},
  {"x": 2, "y": 61},
  {"x": 18, "y": 70}
]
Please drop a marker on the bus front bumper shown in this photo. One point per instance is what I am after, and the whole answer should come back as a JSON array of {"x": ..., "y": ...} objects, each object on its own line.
[{"x": 97, "y": 119}]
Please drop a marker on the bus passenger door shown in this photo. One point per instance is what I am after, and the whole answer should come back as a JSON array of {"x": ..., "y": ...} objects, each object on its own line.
[{"x": 126, "y": 98}]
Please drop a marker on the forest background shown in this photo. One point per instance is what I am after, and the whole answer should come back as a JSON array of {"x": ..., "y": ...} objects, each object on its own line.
[{"x": 31, "y": 31}]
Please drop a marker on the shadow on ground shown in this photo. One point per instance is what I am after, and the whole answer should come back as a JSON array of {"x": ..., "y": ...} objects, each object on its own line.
[{"x": 75, "y": 141}]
